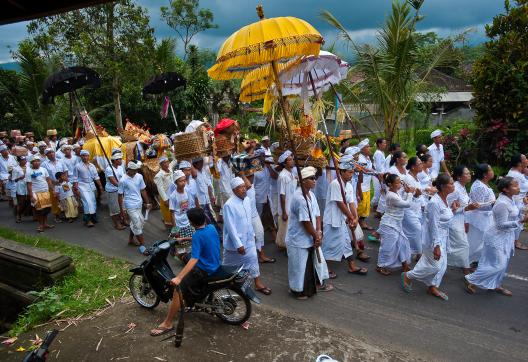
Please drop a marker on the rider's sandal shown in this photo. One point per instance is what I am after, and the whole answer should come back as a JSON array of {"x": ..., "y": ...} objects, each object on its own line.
[{"x": 156, "y": 332}]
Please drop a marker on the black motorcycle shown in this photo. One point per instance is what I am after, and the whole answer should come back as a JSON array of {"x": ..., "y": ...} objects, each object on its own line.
[{"x": 226, "y": 294}]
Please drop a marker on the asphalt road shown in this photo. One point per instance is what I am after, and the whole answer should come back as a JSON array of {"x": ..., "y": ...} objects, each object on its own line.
[{"x": 373, "y": 308}]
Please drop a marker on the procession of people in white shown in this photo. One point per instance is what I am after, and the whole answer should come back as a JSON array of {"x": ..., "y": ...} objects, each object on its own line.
[{"x": 426, "y": 213}]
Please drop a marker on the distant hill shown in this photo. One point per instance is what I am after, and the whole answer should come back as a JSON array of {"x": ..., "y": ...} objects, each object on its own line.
[{"x": 10, "y": 66}]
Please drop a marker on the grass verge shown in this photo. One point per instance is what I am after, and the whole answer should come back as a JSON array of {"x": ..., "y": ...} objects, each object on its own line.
[{"x": 97, "y": 279}]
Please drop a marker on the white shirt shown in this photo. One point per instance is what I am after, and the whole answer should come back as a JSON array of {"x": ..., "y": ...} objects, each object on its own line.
[
  {"x": 438, "y": 220},
  {"x": 523, "y": 187},
  {"x": 163, "y": 180},
  {"x": 53, "y": 168},
  {"x": 38, "y": 179},
  {"x": 261, "y": 183},
  {"x": 395, "y": 210},
  {"x": 130, "y": 188},
  {"x": 202, "y": 188},
  {"x": 252, "y": 197},
  {"x": 333, "y": 215},
  {"x": 287, "y": 183},
  {"x": 85, "y": 173},
  {"x": 179, "y": 204},
  {"x": 4, "y": 164},
  {"x": 70, "y": 164},
  {"x": 437, "y": 153},
  {"x": 460, "y": 194},
  {"x": 238, "y": 226},
  {"x": 226, "y": 175},
  {"x": 366, "y": 163},
  {"x": 379, "y": 161},
  {"x": 20, "y": 185},
  {"x": 64, "y": 190},
  {"x": 119, "y": 172},
  {"x": 296, "y": 234}
]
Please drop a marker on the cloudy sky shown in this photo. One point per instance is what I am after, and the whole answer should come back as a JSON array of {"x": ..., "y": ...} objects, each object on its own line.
[{"x": 361, "y": 17}]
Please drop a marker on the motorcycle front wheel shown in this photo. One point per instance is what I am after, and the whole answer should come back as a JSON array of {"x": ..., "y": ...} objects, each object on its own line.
[
  {"x": 142, "y": 292},
  {"x": 232, "y": 306}
]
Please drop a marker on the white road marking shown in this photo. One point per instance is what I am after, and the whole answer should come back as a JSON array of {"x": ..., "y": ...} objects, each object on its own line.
[{"x": 518, "y": 277}]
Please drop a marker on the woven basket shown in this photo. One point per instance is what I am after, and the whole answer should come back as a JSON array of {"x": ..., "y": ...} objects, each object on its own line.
[
  {"x": 190, "y": 145},
  {"x": 128, "y": 136},
  {"x": 224, "y": 146}
]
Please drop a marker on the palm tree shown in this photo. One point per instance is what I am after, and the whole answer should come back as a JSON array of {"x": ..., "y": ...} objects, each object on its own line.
[
  {"x": 395, "y": 70},
  {"x": 27, "y": 97}
]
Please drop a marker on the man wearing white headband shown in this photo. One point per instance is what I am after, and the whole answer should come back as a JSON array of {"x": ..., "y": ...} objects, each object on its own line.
[
  {"x": 239, "y": 236},
  {"x": 163, "y": 180},
  {"x": 132, "y": 196},
  {"x": 303, "y": 236},
  {"x": 287, "y": 183},
  {"x": 38, "y": 186},
  {"x": 69, "y": 159},
  {"x": 340, "y": 217},
  {"x": 363, "y": 188},
  {"x": 436, "y": 150},
  {"x": 85, "y": 180},
  {"x": 53, "y": 165},
  {"x": 204, "y": 191},
  {"x": 187, "y": 169},
  {"x": 181, "y": 200},
  {"x": 113, "y": 174}
]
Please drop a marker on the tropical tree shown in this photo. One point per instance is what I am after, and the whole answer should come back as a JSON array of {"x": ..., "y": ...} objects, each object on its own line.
[
  {"x": 114, "y": 38},
  {"x": 187, "y": 20},
  {"x": 23, "y": 92},
  {"x": 500, "y": 84},
  {"x": 395, "y": 71}
]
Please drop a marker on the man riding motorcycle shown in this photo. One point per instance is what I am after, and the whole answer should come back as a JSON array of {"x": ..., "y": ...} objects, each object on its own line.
[{"x": 205, "y": 261}]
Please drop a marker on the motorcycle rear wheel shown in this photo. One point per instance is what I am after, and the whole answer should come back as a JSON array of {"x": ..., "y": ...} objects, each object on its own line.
[
  {"x": 236, "y": 306},
  {"x": 142, "y": 292}
]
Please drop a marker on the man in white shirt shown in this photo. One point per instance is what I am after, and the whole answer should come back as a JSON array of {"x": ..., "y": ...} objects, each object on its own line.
[
  {"x": 86, "y": 178},
  {"x": 303, "y": 239},
  {"x": 363, "y": 192},
  {"x": 436, "y": 150},
  {"x": 239, "y": 236},
  {"x": 287, "y": 183},
  {"x": 39, "y": 189},
  {"x": 7, "y": 161},
  {"x": 379, "y": 167},
  {"x": 132, "y": 195},
  {"x": 265, "y": 143},
  {"x": 204, "y": 191},
  {"x": 113, "y": 174}
]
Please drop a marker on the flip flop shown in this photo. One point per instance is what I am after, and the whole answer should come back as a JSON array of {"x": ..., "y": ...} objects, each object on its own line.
[
  {"x": 332, "y": 274},
  {"x": 521, "y": 247},
  {"x": 361, "y": 256},
  {"x": 156, "y": 332},
  {"x": 359, "y": 271},
  {"x": 372, "y": 238},
  {"x": 264, "y": 290},
  {"x": 406, "y": 287},
  {"x": 383, "y": 271},
  {"x": 267, "y": 261},
  {"x": 325, "y": 288},
  {"x": 367, "y": 227},
  {"x": 440, "y": 295},
  {"x": 503, "y": 291}
]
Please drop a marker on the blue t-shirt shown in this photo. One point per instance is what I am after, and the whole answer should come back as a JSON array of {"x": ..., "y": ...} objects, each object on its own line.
[{"x": 206, "y": 248}]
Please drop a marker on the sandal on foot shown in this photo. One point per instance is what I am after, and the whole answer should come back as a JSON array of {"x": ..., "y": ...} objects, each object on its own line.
[
  {"x": 383, "y": 271},
  {"x": 160, "y": 331},
  {"x": 504, "y": 291},
  {"x": 406, "y": 287},
  {"x": 332, "y": 274},
  {"x": 372, "y": 238},
  {"x": 470, "y": 288},
  {"x": 521, "y": 247},
  {"x": 267, "y": 261},
  {"x": 439, "y": 294},
  {"x": 264, "y": 290},
  {"x": 359, "y": 271},
  {"x": 363, "y": 257},
  {"x": 325, "y": 288}
]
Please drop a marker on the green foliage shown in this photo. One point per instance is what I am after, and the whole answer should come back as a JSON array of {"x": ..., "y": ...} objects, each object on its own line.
[
  {"x": 396, "y": 70},
  {"x": 500, "y": 85},
  {"x": 187, "y": 20},
  {"x": 96, "y": 279}
]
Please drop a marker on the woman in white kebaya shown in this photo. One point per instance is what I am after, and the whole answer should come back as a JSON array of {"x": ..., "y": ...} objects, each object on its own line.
[
  {"x": 458, "y": 246},
  {"x": 432, "y": 265},
  {"x": 480, "y": 220},
  {"x": 413, "y": 216},
  {"x": 518, "y": 164},
  {"x": 498, "y": 241},
  {"x": 394, "y": 248}
]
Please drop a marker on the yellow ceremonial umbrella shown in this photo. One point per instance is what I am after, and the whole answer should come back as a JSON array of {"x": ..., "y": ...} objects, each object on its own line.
[{"x": 264, "y": 42}]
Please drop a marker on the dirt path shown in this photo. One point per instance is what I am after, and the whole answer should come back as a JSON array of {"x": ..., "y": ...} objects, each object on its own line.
[{"x": 271, "y": 337}]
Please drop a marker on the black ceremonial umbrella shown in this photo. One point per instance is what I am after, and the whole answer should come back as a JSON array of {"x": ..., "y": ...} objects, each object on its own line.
[
  {"x": 163, "y": 83},
  {"x": 68, "y": 80}
]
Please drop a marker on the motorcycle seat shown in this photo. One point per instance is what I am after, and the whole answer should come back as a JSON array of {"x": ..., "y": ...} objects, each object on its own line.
[{"x": 220, "y": 276}]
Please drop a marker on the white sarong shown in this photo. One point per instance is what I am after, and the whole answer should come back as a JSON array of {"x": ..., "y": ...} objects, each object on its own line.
[
  {"x": 297, "y": 258},
  {"x": 259, "y": 232},
  {"x": 336, "y": 242},
  {"x": 137, "y": 221},
  {"x": 394, "y": 247},
  {"x": 428, "y": 270},
  {"x": 89, "y": 202},
  {"x": 249, "y": 260}
]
